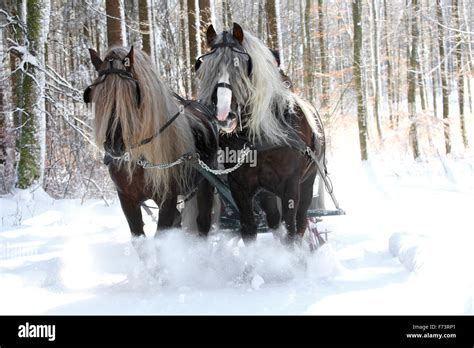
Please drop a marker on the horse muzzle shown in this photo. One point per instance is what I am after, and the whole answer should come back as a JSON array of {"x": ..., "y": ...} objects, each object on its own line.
[{"x": 229, "y": 124}]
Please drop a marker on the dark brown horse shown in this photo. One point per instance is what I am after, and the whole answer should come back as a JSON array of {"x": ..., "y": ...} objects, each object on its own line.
[
  {"x": 139, "y": 124},
  {"x": 240, "y": 77}
]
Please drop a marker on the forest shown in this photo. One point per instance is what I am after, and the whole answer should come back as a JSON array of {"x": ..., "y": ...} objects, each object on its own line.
[{"x": 397, "y": 73}]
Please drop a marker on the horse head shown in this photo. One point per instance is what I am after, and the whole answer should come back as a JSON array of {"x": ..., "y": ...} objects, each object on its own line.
[
  {"x": 240, "y": 78},
  {"x": 230, "y": 65},
  {"x": 109, "y": 91}
]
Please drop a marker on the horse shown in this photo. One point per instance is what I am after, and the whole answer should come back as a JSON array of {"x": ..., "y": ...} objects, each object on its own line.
[
  {"x": 239, "y": 77},
  {"x": 141, "y": 128}
]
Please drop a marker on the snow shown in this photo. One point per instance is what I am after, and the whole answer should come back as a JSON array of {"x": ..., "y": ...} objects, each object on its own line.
[{"x": 404, "y": 247}]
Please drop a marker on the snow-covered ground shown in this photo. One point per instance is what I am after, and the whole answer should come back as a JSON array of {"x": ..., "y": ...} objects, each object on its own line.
[{"x": 404, "y": 247}]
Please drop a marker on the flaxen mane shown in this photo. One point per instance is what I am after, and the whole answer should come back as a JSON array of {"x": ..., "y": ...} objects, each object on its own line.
[
  {"x": 115, "y": 103},
  {"x": 263, "y": 94}
]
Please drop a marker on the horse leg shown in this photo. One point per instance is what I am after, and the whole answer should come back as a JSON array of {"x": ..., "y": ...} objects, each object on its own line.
[
  {"x": 133, "y": 213},
  {"x": 268, "y": 203},
  {"x": 167, "y": 213},
  {"x": 205, "y": 198},
  {"x": 132, "y": 209},
  {"x": 243, "y": 197},
  {"x": 289, "y": 204},
  {"x": 306, "y": 193}
]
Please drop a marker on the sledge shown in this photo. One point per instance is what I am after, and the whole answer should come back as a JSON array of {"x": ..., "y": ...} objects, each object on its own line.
[{"x": 229, "y": 221}]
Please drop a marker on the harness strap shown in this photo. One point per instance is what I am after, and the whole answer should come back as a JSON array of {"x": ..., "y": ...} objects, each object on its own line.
[
  {"x": 185, "y": 103},
  {"x": 224, "y": 85},
  {"x": 217, "y": 182},
  {"x": 161, "y": 130}
]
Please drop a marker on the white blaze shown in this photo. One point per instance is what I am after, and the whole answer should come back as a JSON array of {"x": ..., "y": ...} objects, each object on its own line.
[{"x": 224, "y": 98}]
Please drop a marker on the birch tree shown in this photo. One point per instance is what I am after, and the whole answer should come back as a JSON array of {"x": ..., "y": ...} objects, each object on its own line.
[
  {"x": 7, "y": 150},
  {"x": 144, "y": 25},
  {"x": 323, "y": 58},
  {"x": 412, "y": 66},
  {"x": 357, "y": 71},
  {"x": 460, "y": 71},
  {"x": 376, "y": 69},
  {"x": 444, "y": 78},
  {"x": 31, "y": 144},
  {"x": 193, "y": 43}
]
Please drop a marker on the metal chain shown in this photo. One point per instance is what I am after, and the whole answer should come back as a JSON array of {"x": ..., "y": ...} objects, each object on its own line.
[
  {"x": 188, "y": 156},
  {"x": 244, "y": 153},
  {"x": 147, "y": 165}
]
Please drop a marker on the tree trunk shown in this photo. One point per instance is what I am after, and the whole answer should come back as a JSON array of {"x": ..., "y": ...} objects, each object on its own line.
[
  {"x": 324, "y": 63},
  {"x": 361, "y": 112},
  {"x": 33, "y": 130},
  {"x": 460, "y": 72},
  {"x": 114, "y": 25},
  {"x": 375, "y": 21},
  {"x": 420, "y": 62},
  {"x": 144, "y": 25},
  {"x": 227, "y": 14},
  {"x": 444, "y": 81},
  {"x": 390, "y": 98},
  {"x": 184, "y": 52},
  {"x": 466, "y": 27},
  {"x": 260, "y": 18},
  {"x": 412, "y": 66},
  {"x": 193, "y": 40},
  {"x": 434, "y": 75},
  {"x": 421, "y": 84},
  {"x": 307, "y": 52},
  {"x": 7, "y": 147},
  {"x": 398, "y": 82},
  {"x": 204, "y": 21},
  {"x": 469, "y": 93},
  {"x": 97, "y": 37},
  {"x": 468, "y": 50},
  {"x": 272, "y": 25}
]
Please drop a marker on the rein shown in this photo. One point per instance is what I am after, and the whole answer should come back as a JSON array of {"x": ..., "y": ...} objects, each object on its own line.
[{"x": 184, "y": 104}]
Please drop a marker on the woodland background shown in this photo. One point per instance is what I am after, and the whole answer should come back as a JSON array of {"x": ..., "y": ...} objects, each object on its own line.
[{"x": 398, "y": 72}]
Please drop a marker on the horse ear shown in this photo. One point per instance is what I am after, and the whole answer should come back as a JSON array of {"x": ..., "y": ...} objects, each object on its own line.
[
  {"x": 95, "y": 59},
  {"x": 210, "y": 35},
  {"x": 128, "y": 60},
  {"x": 238, "y": 33}
]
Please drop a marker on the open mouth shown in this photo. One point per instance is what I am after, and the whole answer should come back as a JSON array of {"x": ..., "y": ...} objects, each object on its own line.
[{"x": 229, "y": 124}]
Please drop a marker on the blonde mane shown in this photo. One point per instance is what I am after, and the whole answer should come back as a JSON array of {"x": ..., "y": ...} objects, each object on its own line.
[
  {"x": 115, "y": 103},
  {"x": 270, "y": 96},
  {"x": 263, "y": 95}
]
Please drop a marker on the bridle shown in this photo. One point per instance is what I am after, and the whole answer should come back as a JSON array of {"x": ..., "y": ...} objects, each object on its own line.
[
  {"x": 237, "y": 48},
  {"x": 124, "y": 74}
]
